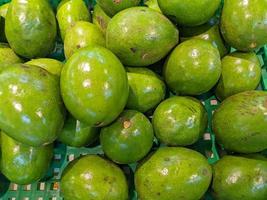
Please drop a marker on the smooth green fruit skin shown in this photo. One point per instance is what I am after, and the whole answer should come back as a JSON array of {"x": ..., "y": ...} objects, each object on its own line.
[
  {"x": 193, "y": 67},
  {"x": 189, "y": 13},
  {"x": 244, "y": 36},
  {"x": 77, "y": 134},
  {"x": 173, "y": 173},
  {"x": 140, "y": 36},
  {"x": 94, "y": 86},
  {"x": 238, "y": 75},
  {"x": 24, "y": 164},
  {"x": 250, "y": 56},
  {"x": 82, "y": 34},
  {"x": 69, "y": 12},
  {"x": 7, "y": 55},
  {"x": 237, "y": 178},
  {"x": 111, "y": 7},
  {"x": 186, "y": 120},
  {"x": 31, "y": 28},
  {"x": 240, "y": 123},
  {"x": 31, "y": 108},
  {"x": 153, "y": 4},
  {"x": 100, "y": 18},
  {"x": 128, "y": 139},
  {"x": 93, "y": 178},
  {"x": 51, "y": 65},
  {"x": 3, "y": 11},
  {"x": 146, "y": 90}
]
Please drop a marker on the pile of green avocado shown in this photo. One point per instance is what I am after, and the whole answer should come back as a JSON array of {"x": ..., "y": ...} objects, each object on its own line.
[{"x": 133, "y": 81}]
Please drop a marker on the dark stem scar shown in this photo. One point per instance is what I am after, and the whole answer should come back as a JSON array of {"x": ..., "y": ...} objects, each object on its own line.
[{"x": 133, "y": 49}]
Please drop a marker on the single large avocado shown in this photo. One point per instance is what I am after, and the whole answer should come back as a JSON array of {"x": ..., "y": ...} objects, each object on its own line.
[
  {"x": 111, "y": 7},
  {"x": 238, "y": 75},
  {"x": 193, "y": 67},
  {"x": 189, "y": 13},
  {"x": 100, "y": 18},
  {"x": 180, "y": 121},
  {"x": 140, "y": 36},
  {"x": 93, "y": 178},
  {"x": 243, "y": 23},
  {"x": 173, "y": 173},
  {"x": 7, "y": 55},
  {"x": 240, "y": 123},
  {"x": 31, "y": 108},
  {"x": 30, "y": 27},
  {"x": 77, "y": 134},
  {"x": 94, "y": 86},
  {"x": 147, "y": 90},
  {"x": 3, "y": 11},
  {"x": 128, "y": 139},
  {"x": 69, "y": 12},
  {"x": 238, "y": 178},
  {"x": 24, "y": 164},
  {"x": 82, "y": 34}
]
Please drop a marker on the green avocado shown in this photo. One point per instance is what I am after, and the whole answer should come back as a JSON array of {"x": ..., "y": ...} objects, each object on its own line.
[
  {"x": 240, "y": 123},
  {"x": 173, "y": 173},
  {"x": 30, "y": 28},
  {"x": 189, "y": 13},
  {"x": 51, "y": 65},
  {"x": 111, "y": 7},
  {"x": 69, "y": 12},
  {"x": 193, "y": 67},
  {"x": 7, "y": 55},
  {"x": 82, "y": 34},
  {"x": 31, "y": 108},
  {"x": 3, "y": 11},
  {"x": 93, "y": 178},
  {"x": 24, "y": 164},
  {"x": 140, "y": 36},
  {"x": 186, "y": 118},
  {"x": 128, "y": 139},
  {"x": 153, "y": 4},
  {"x": 77, "y": 134},
  {"x": 238, "y": 178},
  {"x": 250, "y": 56},
  {"x": 238, "y": 75},
  {"x": 243, "y": 23},
  {"x": 94, "y": 86},
  {"x": 100, "y": 18},
  {"x": 147, "y": 90}
]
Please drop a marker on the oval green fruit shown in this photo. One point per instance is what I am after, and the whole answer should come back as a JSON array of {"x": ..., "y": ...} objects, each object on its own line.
[
  {"x": 173, "y": 173},
  {"x": 193, "y": 67},
  {"x": 189, "y": 13},
  {"x": 240, "y": 123},
  {"x": 249, "y": 35},
  {"x": 31, "y": 28},
  {"x": 77, "y": 134},
  {"x": 94, "y": 86},
  {"x": 82, "y": 34},
  {"x": 93, "y": 178},
  {"x": 140, "y": 36},
  {"x": 240, "y": 178},
  {"x": 128, "y": 139},
  {"x": 100, "y": 18},
  {"x": 7, "y": 55},
  {"x": 24, "y": 164},
  {"x": 250, "y": 56},
  {"x": 31, "y": 108},
  {"x": 186, "y": 120}
]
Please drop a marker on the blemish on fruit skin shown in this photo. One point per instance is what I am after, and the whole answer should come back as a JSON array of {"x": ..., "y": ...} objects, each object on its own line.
[
  {"x": 127, "y": 124},
  {"x": 133, "y": 49},
  {"x": 117, "y": 1}
]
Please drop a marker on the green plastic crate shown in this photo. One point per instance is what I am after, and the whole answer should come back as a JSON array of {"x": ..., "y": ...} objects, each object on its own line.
[{"x": 49, "y": 187}]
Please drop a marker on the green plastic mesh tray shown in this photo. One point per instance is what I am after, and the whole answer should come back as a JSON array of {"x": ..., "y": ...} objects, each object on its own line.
[{"x": 49, "y": 187}]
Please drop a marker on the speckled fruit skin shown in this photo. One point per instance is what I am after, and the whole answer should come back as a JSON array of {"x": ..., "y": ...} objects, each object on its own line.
[
  {"x": 69, "y": 12},
  {"x": 111, "y": 7},
  {"x": 240, "y": 123},
  {"x": 93, "y": 178},
  {"x": 7, "y": 55},
  {"x": 249, "y": 35},
  {"x": 173, "y": 173},
  {"x": 24, "y": 164},
  {"x": 193, "y": 67},
  {"x": 94, "y": 86},
  {"x": 31, "y": 28},
  {"x": 189, "y": 13},
  {"x": 100, "y": 19},
  {"x": 128, "y": 139},
  {"x": 239, "y": 178},
  {"x": 140, "y": 36},
  {"x": 77, "y": 134},
  {"x": 82, "y": 34},
  {"x": 186, "y": 118},
  {"x": 31, "y": 108}
]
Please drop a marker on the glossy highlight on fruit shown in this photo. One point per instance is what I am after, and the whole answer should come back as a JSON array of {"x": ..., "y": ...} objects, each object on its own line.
[{"x": 7, "y": 55}]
